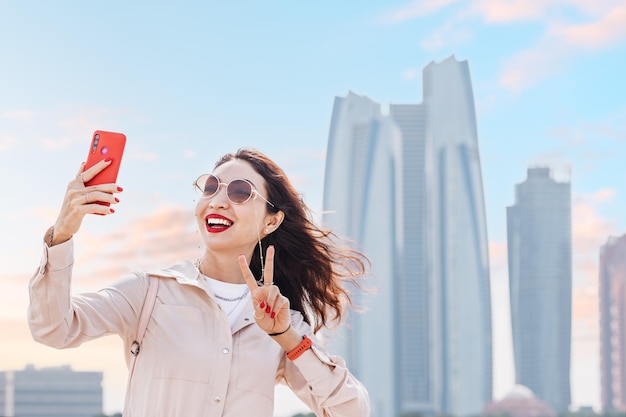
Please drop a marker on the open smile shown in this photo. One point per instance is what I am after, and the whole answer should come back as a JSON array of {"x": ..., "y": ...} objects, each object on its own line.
[{"x": 216, "y": 223}]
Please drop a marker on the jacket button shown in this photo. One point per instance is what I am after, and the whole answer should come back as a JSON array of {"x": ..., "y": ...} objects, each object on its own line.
[
  {"x": 217, "y": 399},
  {"x": 225, "y": 351}
]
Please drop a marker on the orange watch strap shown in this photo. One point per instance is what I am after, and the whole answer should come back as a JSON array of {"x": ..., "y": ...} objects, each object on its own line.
[{"x": 300, "y": 349}]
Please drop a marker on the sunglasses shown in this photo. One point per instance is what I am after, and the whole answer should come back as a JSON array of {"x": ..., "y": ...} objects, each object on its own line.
[{"x": 238, "y": 191}]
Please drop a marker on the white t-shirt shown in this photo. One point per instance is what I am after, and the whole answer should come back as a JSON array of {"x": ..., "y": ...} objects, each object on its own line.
[{"x": 231, "y": 297}]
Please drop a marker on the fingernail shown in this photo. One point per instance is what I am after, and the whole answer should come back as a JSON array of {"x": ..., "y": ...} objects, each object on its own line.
[
  {"x": 117, "y": 200},
  {"x": 272, "y": 315},
  {"x": 120, "y": 189},
  {"x": 108, "y": 160},
  {"x": 268, "y": 309},
  {"x": 262, "y": 305},
  {"x": 112, "y": 211}
]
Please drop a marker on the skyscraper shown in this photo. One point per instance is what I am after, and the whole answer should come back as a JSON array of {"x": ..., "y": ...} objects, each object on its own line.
[
  {"x": 540, "y": 285},
  {"x": 613, "y": 324},
  {"x": 50, "y": 392},
  {"x": 407, "y": 188}
]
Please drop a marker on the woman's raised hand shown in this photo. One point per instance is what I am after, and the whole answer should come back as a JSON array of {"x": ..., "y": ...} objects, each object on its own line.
[
  {"x": 81, "y": 200},
  {"x": 271, "y": 308}
]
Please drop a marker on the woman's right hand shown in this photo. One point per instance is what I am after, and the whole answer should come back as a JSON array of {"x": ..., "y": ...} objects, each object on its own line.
[{"x": 81, "y": 200}]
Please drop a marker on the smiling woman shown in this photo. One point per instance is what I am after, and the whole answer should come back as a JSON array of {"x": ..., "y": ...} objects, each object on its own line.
[{"x": 222, "y": 328}]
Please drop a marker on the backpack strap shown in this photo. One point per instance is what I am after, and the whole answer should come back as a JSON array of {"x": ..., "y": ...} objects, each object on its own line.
[{"x": 144, "y": 318}]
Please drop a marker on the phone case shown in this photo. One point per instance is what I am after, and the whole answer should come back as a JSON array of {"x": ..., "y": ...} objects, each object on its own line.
[{"x": 105, "y": 145}]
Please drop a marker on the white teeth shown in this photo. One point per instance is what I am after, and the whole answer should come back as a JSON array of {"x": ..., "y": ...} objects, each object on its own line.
[{"x": 212, "y": 221}]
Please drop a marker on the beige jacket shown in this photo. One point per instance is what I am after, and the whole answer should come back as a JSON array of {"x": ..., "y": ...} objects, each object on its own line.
[{"x": 191, "y": 363}]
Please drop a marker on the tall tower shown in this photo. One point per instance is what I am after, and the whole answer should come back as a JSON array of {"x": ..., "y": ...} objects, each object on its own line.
[
  {"x": 540, "y": 282},
  {"x": 613, "y": 324},
  {"x": 406, "y": 187},
  {"x": 459, "y": 241}
]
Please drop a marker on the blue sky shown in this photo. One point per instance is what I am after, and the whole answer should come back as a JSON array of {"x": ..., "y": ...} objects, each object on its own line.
[{"x": 190, "y": 81}]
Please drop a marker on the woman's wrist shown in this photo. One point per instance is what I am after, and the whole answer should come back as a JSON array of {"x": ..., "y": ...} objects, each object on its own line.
[
  {"x": 279, "y": 333},
  {"x": 54, "y": 237},
  {"x": 288, "y": 340}
]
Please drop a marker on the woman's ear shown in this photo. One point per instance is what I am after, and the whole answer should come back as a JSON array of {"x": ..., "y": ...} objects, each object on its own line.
[{"x": 274, "y": 221}]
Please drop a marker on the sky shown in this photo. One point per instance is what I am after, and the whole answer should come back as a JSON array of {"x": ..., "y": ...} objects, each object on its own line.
[{"x": 190, "y": 81}]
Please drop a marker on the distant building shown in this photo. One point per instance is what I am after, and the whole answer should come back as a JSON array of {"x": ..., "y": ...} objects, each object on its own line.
[
  {"x": 407, "y": 187},
  {"x": 520, "y": 402},
  {"x": 540, "y": 285},
  {"x": 50, "y": 392},
  {"x": 613, "y": 324}
]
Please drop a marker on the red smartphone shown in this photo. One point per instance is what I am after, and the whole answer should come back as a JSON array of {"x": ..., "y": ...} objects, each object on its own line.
[{"x": 105, "y": 145}]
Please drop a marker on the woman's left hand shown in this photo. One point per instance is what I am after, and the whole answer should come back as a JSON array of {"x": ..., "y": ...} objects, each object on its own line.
[{"x": 271, "y": 308}]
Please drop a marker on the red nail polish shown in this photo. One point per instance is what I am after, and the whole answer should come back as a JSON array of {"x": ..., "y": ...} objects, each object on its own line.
[
  {"x": 262, "y": 305},
  {"x": 268, "y": 309},
  {"x": 112, "y": 211},
  {"x": 272, "y": 315},
  {"x": 120, "y": 189},
  {"x": 108, "y": 160},
  {"x": 117, "y": 200}
]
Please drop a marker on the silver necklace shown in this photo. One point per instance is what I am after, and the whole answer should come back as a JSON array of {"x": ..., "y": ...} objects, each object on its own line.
[
  {"x": 241, "y": 297},
  {"x": 232, "y": 309}
]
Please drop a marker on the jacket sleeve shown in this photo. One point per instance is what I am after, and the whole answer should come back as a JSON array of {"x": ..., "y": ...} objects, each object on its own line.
[
  {"x": 322, "y": 381},
  {"x": 61, "y": 320}
]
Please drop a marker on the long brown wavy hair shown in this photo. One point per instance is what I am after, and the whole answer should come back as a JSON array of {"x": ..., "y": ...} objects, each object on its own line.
[{"x": 312, "y": 265}]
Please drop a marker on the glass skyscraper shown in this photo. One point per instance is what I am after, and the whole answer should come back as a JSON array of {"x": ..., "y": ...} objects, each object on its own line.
[
  {"x": 50, "y": 392},
  {"x": 540, "y": 285},
  {"x": 613, "y": 324},
  {"x": 407, "y": 188}
]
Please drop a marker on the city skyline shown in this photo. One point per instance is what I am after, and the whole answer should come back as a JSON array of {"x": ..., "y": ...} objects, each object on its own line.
[
  {"x": 407, "y": 189},
  {"x": 189, "y": 82}
]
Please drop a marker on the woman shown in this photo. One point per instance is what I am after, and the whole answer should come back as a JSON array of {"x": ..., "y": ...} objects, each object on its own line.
[{"x": 223, "y": 330}]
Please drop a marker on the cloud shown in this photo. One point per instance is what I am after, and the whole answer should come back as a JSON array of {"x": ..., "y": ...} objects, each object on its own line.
[
  {"x": 571, "y": 28},
  {"x": 22, "y": 115},
  {"x": 153, "y": 241},
  {"x": 499, "y": 11},
  {"x": 527, "y": 67},
  {"x": 606, "y": 31},
  {"x": 561, "y": 43},
  {"x": 415, "y": 9}
]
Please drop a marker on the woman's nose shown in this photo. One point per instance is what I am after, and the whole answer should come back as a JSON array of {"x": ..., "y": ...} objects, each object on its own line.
[{"x": 220, "y": 198}]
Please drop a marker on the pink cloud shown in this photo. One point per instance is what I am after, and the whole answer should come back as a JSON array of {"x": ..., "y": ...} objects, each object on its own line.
[
  {"x": 527, "y": 67},
  {"x": 154, "y": 241},
  {"x": 562, "y": 42},
  {"x": 608, "y": 30},
  {"x": 505, "y": 11},
  {"x": 416, "y": 8}
]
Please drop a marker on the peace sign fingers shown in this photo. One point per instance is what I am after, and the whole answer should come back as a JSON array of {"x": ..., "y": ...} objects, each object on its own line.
[{"x": 271, "y": 308}]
